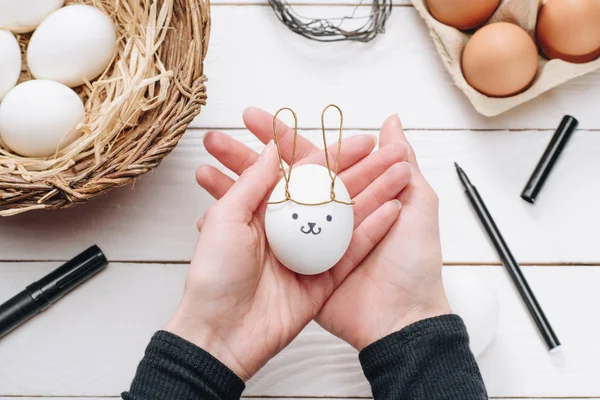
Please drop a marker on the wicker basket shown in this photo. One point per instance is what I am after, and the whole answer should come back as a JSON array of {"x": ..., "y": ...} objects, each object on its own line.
[{"x": 136, "y": 112}]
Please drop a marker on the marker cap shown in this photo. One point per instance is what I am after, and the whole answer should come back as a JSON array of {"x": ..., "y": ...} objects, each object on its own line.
[{"x": 555, "y": 147}]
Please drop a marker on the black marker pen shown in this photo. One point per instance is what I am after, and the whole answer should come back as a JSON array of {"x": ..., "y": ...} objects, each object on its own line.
[
  {"x": 41, "y": 294},
  {"x": 509, "y": 262}
]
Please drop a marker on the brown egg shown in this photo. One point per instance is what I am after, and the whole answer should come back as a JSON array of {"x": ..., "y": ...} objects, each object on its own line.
[
  {"x": 570, "y": 30},
  {"x": 500, "y": 60},
  {"x": 462, "y": 14}
]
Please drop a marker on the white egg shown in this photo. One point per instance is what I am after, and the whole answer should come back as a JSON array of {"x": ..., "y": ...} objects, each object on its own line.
[
  {"x": 476, "y": 302},
  {"x": 309, "y": 239},
  {"x": 39, "y": 117},
  {"x": 10, "y": 62},
  {"x": 22, "y": 16},
  {"x": 74, "y": 44}
]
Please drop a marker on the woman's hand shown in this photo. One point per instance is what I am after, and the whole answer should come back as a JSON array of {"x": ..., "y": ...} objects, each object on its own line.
[
  {"x": 240, "y": 304},
  {"x": 400, "y": 282}
]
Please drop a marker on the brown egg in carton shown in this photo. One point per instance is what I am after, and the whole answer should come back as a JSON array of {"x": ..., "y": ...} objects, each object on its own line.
[{"x": 450, "y": 43}]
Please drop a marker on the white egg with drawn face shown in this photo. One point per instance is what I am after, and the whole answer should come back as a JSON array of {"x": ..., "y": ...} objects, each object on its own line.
[{"x": 309, "y": 240}]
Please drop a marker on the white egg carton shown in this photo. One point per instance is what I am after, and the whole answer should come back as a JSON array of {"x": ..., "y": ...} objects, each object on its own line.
[{"x": 450, "y": 43}]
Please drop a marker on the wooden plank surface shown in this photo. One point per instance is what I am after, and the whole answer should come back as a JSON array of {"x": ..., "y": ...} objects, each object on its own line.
[
  {"x": 90, "y": 343},
  {"x": 87, "y": 347},
  {"x": 398, "y": 72},
  {"x": 154, "y": 219}
]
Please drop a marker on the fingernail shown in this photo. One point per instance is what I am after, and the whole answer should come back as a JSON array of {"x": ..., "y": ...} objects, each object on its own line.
[
  {"x": 374, "y": 138},
  {"x": 267, "y": 148},
  {"x": 205, "y": 135},
  {"x": 371, "y": 137},
  {"x": 409, "y": 166},
  {"x": 395, "y": 120},
  {"x": 397, "y": 203},
  {"x": 249, "y": 109}
]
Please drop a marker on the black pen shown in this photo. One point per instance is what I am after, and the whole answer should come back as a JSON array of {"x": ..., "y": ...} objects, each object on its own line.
[
  {"x": 510, "y": 263},
  {"x": 42, "y": 294}
]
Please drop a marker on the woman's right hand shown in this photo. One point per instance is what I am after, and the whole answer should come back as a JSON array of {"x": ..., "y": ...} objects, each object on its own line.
[{"x": 400, "y": 282}]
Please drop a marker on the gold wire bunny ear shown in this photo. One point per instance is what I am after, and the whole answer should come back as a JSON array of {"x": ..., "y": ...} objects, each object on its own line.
[
  {"x": 287, "y": 177},
  {"x": 281, "y": 163},
  {"x": 333, "y": 175}
]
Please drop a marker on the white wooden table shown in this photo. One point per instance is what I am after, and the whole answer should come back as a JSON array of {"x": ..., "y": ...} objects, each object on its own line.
[{"x": 88, "y": 345}]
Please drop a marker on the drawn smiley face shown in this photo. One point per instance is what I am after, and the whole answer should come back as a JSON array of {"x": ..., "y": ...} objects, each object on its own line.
[
  {"x": 309, "y": 239},
  {"x": 311, "y": 228}
]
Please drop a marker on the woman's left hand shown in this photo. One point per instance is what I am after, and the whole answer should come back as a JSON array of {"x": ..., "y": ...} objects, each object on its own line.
[{"x": 240, "y": 303}]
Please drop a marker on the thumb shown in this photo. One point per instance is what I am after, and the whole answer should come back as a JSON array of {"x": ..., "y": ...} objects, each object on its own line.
[
  {"x": 392, "y": 132},
  {"x": 254, "y": 184}
]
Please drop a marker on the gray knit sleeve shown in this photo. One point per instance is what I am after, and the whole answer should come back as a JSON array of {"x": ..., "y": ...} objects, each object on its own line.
[
  {"x": 173, "y": 368},
  {"x": 428, "y": 360}
]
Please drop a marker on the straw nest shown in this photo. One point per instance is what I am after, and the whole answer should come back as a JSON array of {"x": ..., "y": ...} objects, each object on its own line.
[{"x": 136, "y": 112}]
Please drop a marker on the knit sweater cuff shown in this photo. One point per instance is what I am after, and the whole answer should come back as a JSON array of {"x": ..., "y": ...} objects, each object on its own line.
[
  {"x": 395, "y": 345},
  {"x": 429, "y": 359},
  {"x": 177, "y": 369}
]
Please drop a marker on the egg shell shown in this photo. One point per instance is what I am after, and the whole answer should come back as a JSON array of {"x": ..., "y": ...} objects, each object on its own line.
[
  {"x": 462, "y": 14},
  {"x": 500, "y": 60},
  {"x": 10, "y": 62},
  {"x": 22, "y": 16},
  {"x": 570, "y": 30},
  {"x": 72, "y": 45},
  {"x": 39, "y": 117},
  {"x": 476, "y": 302},
  {"x": 304, "y": 238}
]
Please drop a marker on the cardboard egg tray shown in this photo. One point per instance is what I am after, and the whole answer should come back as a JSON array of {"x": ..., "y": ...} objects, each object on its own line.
[{"x": 450, "y": 43}]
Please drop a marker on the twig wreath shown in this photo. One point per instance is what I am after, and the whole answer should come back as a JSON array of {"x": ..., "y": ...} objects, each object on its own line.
[{"x": 332, "y": 30}]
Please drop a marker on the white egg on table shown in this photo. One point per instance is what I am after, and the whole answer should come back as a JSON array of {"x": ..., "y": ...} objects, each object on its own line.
[
  {"x": 39, "y": 117},
  {"x": 72, "y": 45},
  {"x": 476, "y": 302},
  {"x": 10, "y": 62},
  {"x": 309, "y": 239},
  {"x": 22, "y": 16}
]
